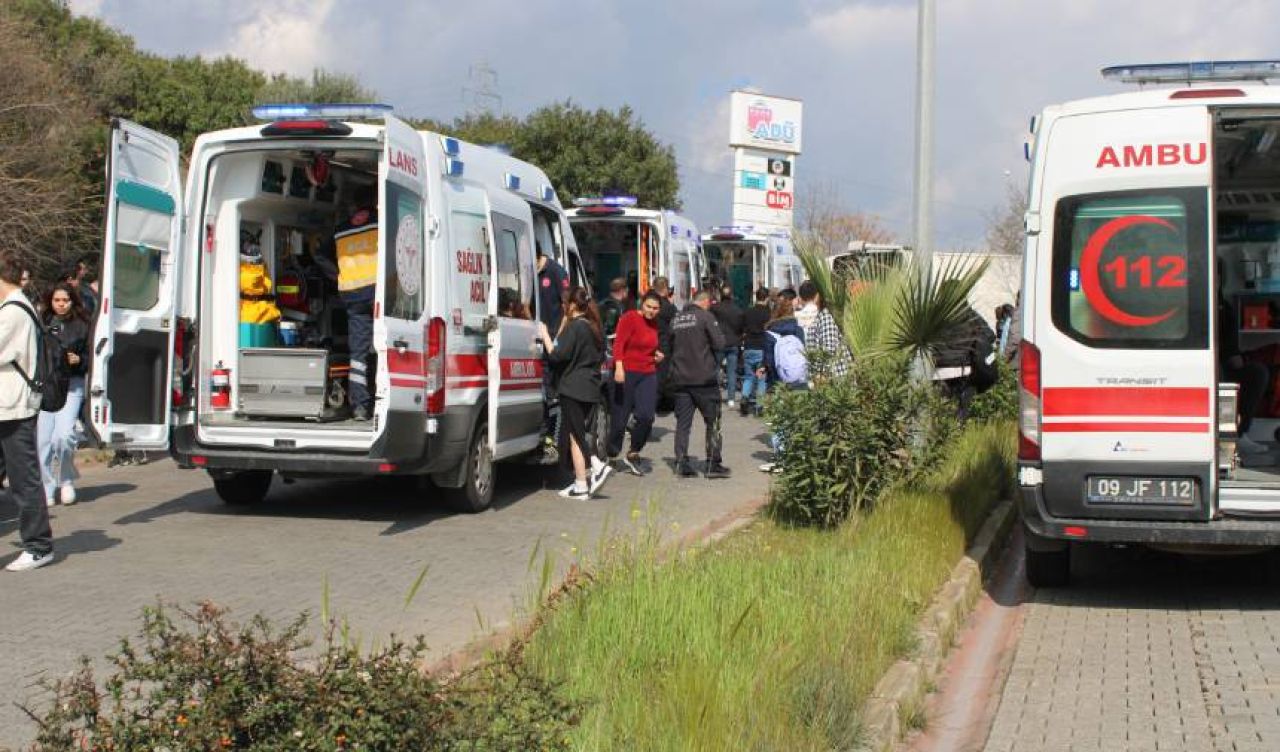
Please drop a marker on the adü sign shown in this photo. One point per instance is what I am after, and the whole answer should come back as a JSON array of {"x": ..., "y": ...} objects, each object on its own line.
[{"x": 764, "y": 122}]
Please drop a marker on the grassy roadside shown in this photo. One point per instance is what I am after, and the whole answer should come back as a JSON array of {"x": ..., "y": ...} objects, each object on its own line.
[{"x": 772, "y": 638}]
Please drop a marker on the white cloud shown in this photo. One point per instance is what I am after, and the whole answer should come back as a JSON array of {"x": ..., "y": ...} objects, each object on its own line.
[
  {"x": 857, "y": 26},
  {"x": 287, "y": 36},
  {"x": 86, "y": 7}
]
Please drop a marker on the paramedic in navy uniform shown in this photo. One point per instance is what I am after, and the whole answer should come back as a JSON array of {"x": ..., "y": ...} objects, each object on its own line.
[{"x": 356, "y": 244}]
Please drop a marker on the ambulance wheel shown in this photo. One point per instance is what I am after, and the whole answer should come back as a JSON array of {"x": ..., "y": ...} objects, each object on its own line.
[
  {"x": 1049, "y": 568},
  {"x": 476, "y": 493},
  {"x": 240, "y": 489}
]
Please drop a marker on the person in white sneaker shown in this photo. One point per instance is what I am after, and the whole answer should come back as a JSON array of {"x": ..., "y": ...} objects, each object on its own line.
[
  {"x": 69, "y": 322},
  {"x": 575, "y": 356},
  {"x": 19, "y": 406}
]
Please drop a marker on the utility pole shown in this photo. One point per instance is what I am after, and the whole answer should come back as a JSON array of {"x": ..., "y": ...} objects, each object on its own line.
[{"x": 923, "y": 225}]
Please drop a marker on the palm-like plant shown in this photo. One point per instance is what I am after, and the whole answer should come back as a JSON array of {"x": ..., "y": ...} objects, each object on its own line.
[{"x": 888, "y": 306}]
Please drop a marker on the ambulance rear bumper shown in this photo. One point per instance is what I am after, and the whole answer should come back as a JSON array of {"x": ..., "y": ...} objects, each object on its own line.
[
  {"x": 1046, "y": 531},
  {"x": 429, "y": 453}
]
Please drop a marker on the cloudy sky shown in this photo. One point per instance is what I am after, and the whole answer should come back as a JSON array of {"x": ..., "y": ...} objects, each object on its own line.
[{"x": 999, "y": 62}]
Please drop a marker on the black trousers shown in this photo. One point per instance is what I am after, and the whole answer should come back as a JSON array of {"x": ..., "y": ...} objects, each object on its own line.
[
  {"x": 706, "y": 400},
  {"x": 636, "y": 396},
  {"x": 19, "y": 460}
]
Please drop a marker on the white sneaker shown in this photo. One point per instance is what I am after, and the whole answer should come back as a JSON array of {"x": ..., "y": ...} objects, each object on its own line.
[
  {"x": 574, "y": 491},
  {"x": 51, "y": 501},
  {"x": 730, "y": 404},
  {"x": 599, "y": 474},
  {"x": 68, "y": 494},
  {"x": 1247, "y": 445},
  {"x": 27, "y": 560}
]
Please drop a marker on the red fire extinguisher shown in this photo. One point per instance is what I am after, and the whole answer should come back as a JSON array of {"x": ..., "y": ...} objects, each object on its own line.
[{"x": 220, "y": 387}]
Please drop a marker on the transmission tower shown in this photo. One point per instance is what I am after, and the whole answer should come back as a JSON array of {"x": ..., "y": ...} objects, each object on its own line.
[{"x": 481, "y": 92}]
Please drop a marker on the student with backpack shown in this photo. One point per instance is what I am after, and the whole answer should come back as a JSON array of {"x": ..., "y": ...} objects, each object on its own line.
[
  {"x": 66, "y": 320},
  {"x": 785, "y": 364},
  {"x": 20, "y": 403}
]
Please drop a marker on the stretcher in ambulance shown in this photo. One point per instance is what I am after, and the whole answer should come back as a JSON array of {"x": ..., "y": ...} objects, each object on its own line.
[
  {"x": 1151, "y": 316},
  {"x": 747, "y": 258},
  {"x": 222, "y": 335},
  {"x": 617, "y": 240}
]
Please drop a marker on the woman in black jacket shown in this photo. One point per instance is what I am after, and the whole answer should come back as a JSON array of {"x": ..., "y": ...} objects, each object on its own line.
[
  {"x": 67, "y": 319},
  {"x": 575, "y": 357}
]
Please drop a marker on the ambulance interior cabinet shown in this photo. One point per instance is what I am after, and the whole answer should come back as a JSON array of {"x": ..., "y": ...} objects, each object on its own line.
[{"x": 280, "y": 382}]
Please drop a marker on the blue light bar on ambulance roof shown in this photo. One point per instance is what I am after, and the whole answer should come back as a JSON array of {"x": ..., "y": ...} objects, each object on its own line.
[
  {"x": 548, "y": 193},
  {"x": 336, "y": 111},
  {"x": 614, "y": 201},
  {"x": 1194, "y": 72}
]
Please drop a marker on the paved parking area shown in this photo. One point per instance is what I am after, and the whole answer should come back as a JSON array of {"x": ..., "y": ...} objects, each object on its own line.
[
  {"x": 1148, "y": 651},
  {"x": 156, "y": 532}
]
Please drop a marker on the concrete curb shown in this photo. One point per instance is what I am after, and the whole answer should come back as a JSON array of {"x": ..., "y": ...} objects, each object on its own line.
[{"x": 900, "y": 693}]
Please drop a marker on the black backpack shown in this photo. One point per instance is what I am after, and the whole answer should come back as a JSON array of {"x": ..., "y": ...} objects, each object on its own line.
[{"x": 51, "y": 380}]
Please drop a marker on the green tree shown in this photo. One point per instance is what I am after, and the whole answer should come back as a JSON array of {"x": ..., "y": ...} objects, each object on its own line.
[
  {"x": 584, "y": 152},
  {"x": 324, "y": 87},
  {"x": 599, "y": 152}
]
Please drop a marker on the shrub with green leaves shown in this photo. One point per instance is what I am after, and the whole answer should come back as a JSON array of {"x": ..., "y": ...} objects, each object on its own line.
[
  {"x": 1000, "y": 402},
  {"x": 846, "y": 440},
  {"x": 200, "y": 682}
]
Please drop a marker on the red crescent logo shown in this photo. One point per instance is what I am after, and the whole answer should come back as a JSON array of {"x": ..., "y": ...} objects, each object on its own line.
[{"x": 1092, "y": 285}]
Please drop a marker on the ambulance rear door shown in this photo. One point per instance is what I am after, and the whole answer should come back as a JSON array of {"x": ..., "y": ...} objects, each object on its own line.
[
  {"x": 515, "y": 364},
  {"x": 132, "y": 344},
  {"x": 399, "y": 328},
  {"x": 1124, "y": 316}
]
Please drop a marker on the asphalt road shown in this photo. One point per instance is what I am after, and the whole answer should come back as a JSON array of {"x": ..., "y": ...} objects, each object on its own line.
[
  {"x": 154, "y": 532},
  {"x": 1147, "y": 651}
]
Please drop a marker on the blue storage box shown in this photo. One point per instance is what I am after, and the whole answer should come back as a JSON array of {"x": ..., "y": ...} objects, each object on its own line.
[{"x": 258, "y": 335}]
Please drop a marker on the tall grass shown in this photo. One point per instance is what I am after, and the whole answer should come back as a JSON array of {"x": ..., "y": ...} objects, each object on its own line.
[{"x": 773, "y": 638}]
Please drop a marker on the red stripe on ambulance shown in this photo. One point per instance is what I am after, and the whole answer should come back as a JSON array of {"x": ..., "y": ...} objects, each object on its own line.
[{"x": 1165, "y": 402}]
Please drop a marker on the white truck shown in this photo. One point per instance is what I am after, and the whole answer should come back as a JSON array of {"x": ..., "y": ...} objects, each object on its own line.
[
  {"x": 458, "y": 375},
  {"x": 1151, "y": 288}
]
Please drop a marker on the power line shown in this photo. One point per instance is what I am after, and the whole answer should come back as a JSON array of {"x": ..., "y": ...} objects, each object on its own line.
[{"x": 481, "y": 92}]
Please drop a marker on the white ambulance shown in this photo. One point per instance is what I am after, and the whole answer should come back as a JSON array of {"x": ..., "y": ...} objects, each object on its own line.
[
  {"x": 747, "y": 258},
  {"x": 1151, "y": 316},
  {"x": 458, "y": 376},
  {"x": 617, "y": 240}
]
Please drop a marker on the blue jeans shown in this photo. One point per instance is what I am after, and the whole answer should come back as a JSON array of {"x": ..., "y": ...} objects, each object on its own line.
[
  {"x": 752, "y": 360},
  {"x": 729, "y": 358},
  {"x": 56, "y": 442}
]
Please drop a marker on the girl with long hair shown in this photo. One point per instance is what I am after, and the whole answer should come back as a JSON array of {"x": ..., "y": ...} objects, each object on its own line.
[
  {"x": 635, "y": 373},
  {"x": 575, "y": 356},
  {"x": 67, "y": 319}
]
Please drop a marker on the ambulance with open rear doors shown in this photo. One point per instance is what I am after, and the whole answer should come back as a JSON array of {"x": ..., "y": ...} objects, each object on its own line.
[
  {"x": 1151, "y": 316},
  {"x": 456, "y": 369}
]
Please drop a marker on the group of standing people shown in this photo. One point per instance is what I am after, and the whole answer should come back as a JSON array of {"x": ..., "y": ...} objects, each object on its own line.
[{"x": 37, "y": 446}]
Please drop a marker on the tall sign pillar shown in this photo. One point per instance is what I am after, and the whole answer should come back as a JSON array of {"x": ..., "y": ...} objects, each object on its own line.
[{"x": 764, "y": 132}]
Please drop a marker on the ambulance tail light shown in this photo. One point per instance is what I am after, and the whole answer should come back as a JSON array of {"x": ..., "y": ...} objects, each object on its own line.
[
  {"x": 180, "y": 375},
  {"x": 307, "y": 128},
  {"x": 1029, "y": 403},
  {"x": 435, "y": 366}
]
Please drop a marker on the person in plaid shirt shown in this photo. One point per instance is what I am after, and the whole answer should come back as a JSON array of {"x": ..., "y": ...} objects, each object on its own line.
[{"x": 822, "y": 333}]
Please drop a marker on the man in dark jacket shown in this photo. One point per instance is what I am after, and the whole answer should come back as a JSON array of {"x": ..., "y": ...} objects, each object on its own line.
[
  {"x": 694, "y": 341},
  {"x": 730, "y": 317},
  {"x": 553, "y": 285},
  {"x": 754, "y": 340},
  {"x": 967, "y": 347}
]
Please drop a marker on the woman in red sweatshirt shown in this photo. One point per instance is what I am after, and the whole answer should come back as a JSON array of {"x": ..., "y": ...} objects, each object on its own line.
[{"x": 635, "y": 373}]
